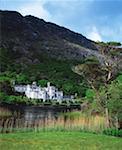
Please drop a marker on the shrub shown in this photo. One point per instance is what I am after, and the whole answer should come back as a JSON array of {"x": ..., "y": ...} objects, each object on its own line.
[
  {"x": 113, "y": 132},
  {"x": 120, "y": 133}
]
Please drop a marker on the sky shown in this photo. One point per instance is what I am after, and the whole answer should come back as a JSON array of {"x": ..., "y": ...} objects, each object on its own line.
[{"x": 98, "y": 20}]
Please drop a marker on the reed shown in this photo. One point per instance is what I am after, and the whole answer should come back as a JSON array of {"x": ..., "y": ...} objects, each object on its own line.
[
  {"x": 4, "y": 112},
  {"x": 71, "y": 121}
]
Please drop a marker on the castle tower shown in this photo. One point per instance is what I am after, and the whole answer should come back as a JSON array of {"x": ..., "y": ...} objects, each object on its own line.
[
  {"x": 48, "y": 84},
  {"x": 34, "y": 83}
]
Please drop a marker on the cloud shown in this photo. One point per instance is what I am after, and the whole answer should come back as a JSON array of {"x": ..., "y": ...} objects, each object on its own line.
[
  {"x": 94, "y": 34},
  {"x": 112, "y": 30},
  {"x": 35, "y": 8}
]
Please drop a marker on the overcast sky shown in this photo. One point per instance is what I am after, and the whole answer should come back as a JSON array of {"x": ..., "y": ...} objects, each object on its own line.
[{"x": 96, "y": 19}]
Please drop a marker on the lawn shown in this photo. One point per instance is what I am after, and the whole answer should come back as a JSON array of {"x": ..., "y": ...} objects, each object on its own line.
[{"x": 58, "y": 141}]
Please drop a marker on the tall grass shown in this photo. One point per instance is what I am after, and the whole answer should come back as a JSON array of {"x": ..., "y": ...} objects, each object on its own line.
[
  {"x": 71, "y": 121},
  {"x": 4, "y": 112}
]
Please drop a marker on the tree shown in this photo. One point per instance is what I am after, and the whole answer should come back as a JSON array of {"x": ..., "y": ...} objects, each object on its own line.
[
  {"x": 43, "y": 82},
  {"x": 113, "y": 43},
  {"x": 3, "y": 97},
  {"x": 111, "y": 97},
  {"x": 68, "y": 88},
  {"x": 21, "y": 78},
  {"x": 90, "y": 94},
  {"x": 98, "y": 75},
  {"x": 5, "y": 87},
  {"x": 92, "y": 71}
]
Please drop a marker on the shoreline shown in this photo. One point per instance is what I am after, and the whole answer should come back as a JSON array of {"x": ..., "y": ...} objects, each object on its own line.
[{"x": 23, "y": 106}]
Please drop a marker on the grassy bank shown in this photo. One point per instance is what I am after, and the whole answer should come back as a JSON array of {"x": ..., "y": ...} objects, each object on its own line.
[{"x": 58, "y": 141}]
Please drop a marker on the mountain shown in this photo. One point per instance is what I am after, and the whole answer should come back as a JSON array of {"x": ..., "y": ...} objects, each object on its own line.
[
  {"x": 29, "y": 36},
  {"x": 32, "y": 49}
]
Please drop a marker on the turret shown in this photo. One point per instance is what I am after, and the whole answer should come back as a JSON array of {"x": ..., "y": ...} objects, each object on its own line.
[
  {"x": 34, "y": 83},
  {"x": 48, "y": 84}
]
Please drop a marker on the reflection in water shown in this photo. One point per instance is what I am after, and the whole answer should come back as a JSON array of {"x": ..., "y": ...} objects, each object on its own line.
[{"x": 31, "y": 114}]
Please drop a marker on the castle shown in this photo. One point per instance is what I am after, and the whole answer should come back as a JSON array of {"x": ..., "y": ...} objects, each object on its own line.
[{"x": 36, "y": 92}]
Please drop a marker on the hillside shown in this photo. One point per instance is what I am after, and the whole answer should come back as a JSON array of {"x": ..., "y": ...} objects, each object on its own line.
[
  {"x": 33, "y": 49},
  {"x": 29, "y": 37}
]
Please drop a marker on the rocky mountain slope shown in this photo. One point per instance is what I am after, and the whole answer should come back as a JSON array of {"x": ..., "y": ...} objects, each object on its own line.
[{"x": 28, "y": 37}]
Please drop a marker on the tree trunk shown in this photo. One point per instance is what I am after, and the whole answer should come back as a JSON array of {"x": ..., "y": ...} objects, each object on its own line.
[
  {"x": 109, "y": 75},
  {"x": 107, "y": 117},
  {"x": 116, "y": 122}
]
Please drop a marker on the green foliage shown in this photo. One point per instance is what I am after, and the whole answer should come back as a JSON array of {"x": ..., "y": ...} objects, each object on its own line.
[
  {"x": 3, "y": 97},
  {"x": 91, "y": 60},
  {"x": 102, "y": 43},
  {"x": 21, "y": 78},
  {"x": 113, "y": 132},
  {"x": 15, "y": 99},
  {"x": 111, "y": 98},
  {"x": 4, "y": 78},
  {"x": 114, "y": 53},
  {"x": 119, "y": 78},
  {"x": 90, "y": 94},
  {"x": 68, "y": 88},
  {"x": 58, "y": 72},
  {"x": 43, "y": 82},
  {"x": 5, "y": 86},
  {"x": 115, "y": 98},
  {"x": 7, "y": 60},
  {"x": 92, "y": 71},
  {"x": 111, "y": 43}
]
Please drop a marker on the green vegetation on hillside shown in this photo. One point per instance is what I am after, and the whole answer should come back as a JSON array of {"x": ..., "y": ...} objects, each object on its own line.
[
  {"x": 111, "y": 43},
  {"x": 46, "y": 69}
]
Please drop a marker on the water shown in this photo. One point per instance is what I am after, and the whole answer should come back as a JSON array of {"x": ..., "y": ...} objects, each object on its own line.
[{"x": 36, "y": 112}]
